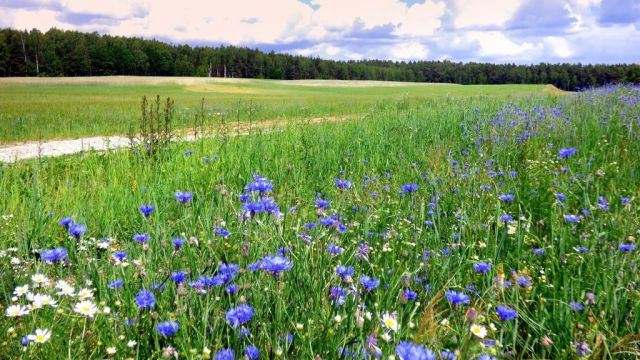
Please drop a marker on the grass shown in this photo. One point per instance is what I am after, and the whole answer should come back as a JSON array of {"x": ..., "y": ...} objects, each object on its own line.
[
  {"x": 462, "y": 153},
  {"x": 35, "y": 109}
]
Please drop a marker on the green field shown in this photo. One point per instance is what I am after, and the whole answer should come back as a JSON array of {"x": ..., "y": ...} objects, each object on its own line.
[
  {"x": 40, "y": 109},
  {"x": 472, "y": 226}
]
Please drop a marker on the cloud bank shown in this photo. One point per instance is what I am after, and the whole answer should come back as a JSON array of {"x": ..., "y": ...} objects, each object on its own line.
[{"x": 500, "y": 31}]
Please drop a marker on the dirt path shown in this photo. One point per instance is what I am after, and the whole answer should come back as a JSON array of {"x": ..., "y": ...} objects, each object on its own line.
[{"x": 53, "y": 148}]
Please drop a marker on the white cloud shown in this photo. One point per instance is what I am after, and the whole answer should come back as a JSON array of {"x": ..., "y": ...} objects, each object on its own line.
[
  {"x": 110, "y": 8},
  {"x": 338, "y": 29},
  {"x": 27, "y": 19},
  {"x": 421, "y": 19},
  {"x": 409, "y": 51},
  {"x": 558, "y": 46},
  {"x": 328, "y": 51},
  {"x": 486, "y": 13},
  {"x": 497, "y": 44}
]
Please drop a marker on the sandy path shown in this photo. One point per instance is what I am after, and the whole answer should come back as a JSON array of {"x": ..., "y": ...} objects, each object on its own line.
[{"x": 53, "y": 148}]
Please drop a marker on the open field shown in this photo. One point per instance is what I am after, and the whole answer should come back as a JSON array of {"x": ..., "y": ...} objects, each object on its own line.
[
  {"x": 459, "y": 227},
  {"x": 33, "y": 109}
]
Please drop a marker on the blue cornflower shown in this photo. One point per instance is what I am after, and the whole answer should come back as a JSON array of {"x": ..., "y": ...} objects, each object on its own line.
[
  {"x": 251, "y": 352},
  {"x": 409, "y": 188},
  {"x": 184, "y": 196},
  {"x": 187, "y": 153},
  {"x": 232, "y": 289},
  {"x": 572, "y": 218},
  {"x": 582, "y": 348},
  {"x": 507, "y": 197},
  {"x": 167, "y": 328},
  {"x": 177, "y": 243},
  {"x": 145, "y": 299},
  {"x": 410, "y": 351},
  {"x": 456, "y": 298},
  {"x": 561, "y": 197},
  {"x": 310, "y": 225},
  {"x": 222, "y": 232},
  {"x": 322, "y": 204},
  {"x": 239, "y": 315},
  {"x": 486, "y": 357},
  {"x": 428, "y": 223},
  {"x": 334, "y": 249},
  {"x": 538, "y": 251},
  {"x": 506, "y": 313},
  {"x": 523, "y": 281},
  {"x": 115, "y": 284},
  {"x": 447, "y": 355},
  {"x": 229, "y": 269},
  {"x": 506, "y": 218},
  {"x": 77, "y": 230},
  {"x": 225, "y": 354},
  {"x": 481, "y": 267},
  {"x": 369, "y": 283},
  {"x": 259, "y": 184},
  {"x": 338, "y": 295},
  {"x": 53, "y": 255},
  {"x": 576, "y": 306},
  {"x": 276, "y": 264},
  {"x": 66, "y": 222},
  {"x": 342, "y": 184},
  {"x": 330, "y": 221},
  {"x": 581, "y": 249},
  {"x": 625, "y": 200},
  {"x": 25, "y": 340},
  {"x": 627, "y": 247},
  {"x": 407, "y": 294},
  {"x": 146, "y": 210},
  {"x": 565, "y": 153},
  {"x": 603, "y": 203},
  {"x": 119, "y": 255},
  {"x": 141, "y": 238},
  {"x": 345, "y": 271},
  {"x": 178, "y": 276}
]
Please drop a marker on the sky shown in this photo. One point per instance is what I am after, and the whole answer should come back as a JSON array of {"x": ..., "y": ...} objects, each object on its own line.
[{"x": 497, "y": 31}]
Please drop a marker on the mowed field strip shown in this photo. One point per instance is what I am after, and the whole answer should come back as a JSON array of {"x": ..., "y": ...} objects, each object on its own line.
[{"x": 53, "y": 148}]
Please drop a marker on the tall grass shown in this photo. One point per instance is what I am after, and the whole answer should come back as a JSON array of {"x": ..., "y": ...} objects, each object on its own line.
[{"x": 462, "y": 153}]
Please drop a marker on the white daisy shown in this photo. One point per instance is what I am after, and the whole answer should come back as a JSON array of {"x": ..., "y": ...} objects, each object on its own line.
[
  {"x": 17, "y": 311},
  {"x": 478, "y": 330},
  {"x": 389, "y": 321},
  {"x": 41, "y": 300},
  {"x": 85, "y": 293},
  {"x": 86, "y": 308},
  {"x": 40, "y": 336},
  {"x": 39, "y": 279},
  {"x": 21, "y": 290}
]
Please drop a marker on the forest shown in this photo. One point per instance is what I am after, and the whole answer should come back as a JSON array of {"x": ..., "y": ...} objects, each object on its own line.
[{"x": 71, "y": 53}]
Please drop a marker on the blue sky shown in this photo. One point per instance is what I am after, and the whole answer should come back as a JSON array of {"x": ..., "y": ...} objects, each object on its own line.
[{"x": 500, "y": 31}]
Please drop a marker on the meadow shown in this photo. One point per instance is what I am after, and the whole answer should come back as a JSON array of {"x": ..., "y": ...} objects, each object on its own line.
[
  {"x": 469, "y": 226},
  {"x": 35, "y": 109}
]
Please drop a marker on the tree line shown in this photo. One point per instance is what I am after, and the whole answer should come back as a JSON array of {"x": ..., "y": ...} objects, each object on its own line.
[{"x": 72, "y": 53}]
